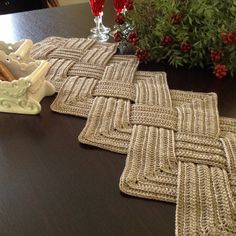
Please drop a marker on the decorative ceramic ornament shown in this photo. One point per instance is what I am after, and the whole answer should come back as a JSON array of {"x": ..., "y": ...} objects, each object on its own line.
[
  {"x": 19, "y": 50},
  {"x": 24, "y": 94}
]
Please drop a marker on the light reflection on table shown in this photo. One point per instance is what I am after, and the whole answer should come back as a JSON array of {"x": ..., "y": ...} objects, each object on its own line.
[{"x": 7, "y": 28}]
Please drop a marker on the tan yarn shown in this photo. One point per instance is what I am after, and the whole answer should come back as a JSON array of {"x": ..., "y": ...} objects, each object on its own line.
[
  {"x": 165, "y": 172},
  {"x": 205, "y": 204},
  {"x": 77, "y": 93},
  {"x": 151, "y": 164},
  {"x": 178, "y": 147},
  {"x": 190, "y": 138},
  {"x": 65, "y": 56},
  {"x": 78, "y": 83},
  {"x": 107, "y": 125}
]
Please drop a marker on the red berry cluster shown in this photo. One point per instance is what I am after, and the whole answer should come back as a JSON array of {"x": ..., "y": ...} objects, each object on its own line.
[
  {"x": 132, "y": 38},
  {"x": 120, "y": 19},
  {"x": 176, "y": 18},
  {"x": 129, "y": 5},
  {"x": 216, "y": 55},
  {"x": 166, "y": 40},
  {"x": 229, "y": 38},
  {"x": 220, "y": 71},
  {"x": 185, "y": 47},
  {"x": 141, "y": 54},
  {"x": 118, "y": 36}
]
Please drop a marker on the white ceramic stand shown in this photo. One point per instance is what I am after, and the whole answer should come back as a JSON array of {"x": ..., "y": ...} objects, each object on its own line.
[
  {"x": 19, "y": 50},
  {"x": 24, "y": 94}
]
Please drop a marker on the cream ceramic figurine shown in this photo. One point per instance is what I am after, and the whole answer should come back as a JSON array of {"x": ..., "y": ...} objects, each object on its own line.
[
  {"x": 19, "y": 50},
  {"x": 23, "y": 95}
]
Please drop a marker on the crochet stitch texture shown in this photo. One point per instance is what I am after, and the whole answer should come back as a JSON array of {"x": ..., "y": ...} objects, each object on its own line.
[{"x": 178, "y": 148}]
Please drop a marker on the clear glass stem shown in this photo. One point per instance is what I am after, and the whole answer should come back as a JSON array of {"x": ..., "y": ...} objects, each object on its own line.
[
  {"x": 97, "y": 32},
  {"x": 97, "y": 22},
  {"x": 103, "y": 28}
]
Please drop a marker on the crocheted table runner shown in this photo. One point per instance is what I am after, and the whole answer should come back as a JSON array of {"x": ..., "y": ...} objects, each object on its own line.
[
  {"x": 179, "y": 150},
  {"x": 205, "y": 205},
  {"x": 161, "y": 163},
  {"x": 108, "y": 119},
  {"x": 161, "y": 138},
  {"x": 76, "y": 80},
  {"x": 73, "y": 58},
  {"x": 77, "y": 94},
  {"x": 151, "y": 163}
]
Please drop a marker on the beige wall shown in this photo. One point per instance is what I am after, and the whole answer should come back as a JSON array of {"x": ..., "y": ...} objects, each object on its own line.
[{"x": 68, "y": 2}]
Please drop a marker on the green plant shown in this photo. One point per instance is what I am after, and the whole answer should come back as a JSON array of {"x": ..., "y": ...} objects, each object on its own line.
[{"x": 183, "y": 32}]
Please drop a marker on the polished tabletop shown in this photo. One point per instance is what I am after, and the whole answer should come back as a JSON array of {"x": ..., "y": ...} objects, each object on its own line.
[{"x": 50, "y": 184}]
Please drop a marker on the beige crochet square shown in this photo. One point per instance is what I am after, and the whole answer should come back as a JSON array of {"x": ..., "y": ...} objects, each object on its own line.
[
  {"x": 77, "y": 93},
  {"x": 73, "y": 57},
  {"x": 108, "y": 121},
  {"x": 205, "y": 204},
  {"x": 164, "y": 165},
  {"x": 161, "y": 138},
  {"x": 42, "y": 49},
  {"x": 151, "y": 165}
]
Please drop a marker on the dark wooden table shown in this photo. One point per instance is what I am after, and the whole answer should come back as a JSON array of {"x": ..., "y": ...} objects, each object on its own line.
[{"x": 50, "y": 185}]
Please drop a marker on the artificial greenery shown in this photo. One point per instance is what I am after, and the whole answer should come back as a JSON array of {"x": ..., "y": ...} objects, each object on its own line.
[{"x": 183, "y": 32}]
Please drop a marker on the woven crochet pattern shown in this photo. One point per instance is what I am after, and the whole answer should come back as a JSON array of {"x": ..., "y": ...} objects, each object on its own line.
[
  {"x": 187, "y": 137},
  {"x": 163, "y": 169},
  {"x": 77, "y": 93},
  {"x": 151, "y": 165},
  {"x": 76, "y": 96},
  {"x": 205, "y": 202},
  {"x": 108, "y": 120},
  {"x": 73, "y": 58},
  {"x": 179, "y": 149},
  {"x": 77, "y": 82}
]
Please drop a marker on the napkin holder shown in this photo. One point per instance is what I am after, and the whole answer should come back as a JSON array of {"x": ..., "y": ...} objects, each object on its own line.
[{"x": 24, "y": 94}]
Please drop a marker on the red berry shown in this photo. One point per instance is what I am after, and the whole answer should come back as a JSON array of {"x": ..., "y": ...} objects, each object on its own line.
[
  {"x": 229, "y": 38},
  {"x": 176, "y": 18},
  {"x": 129, "y": 5},
  {"x": 234, "y": 32},
  {"x": 132, "y": 35},
  {"x": 185, "y": 47},
  {"x": 216, "y": 55},
  {"x": 118, "y": 36},
  {"x": 141, "y": 54},
  {"x": 220, "y": 71},
  {"x": 132, "y": 38},
  {"x": 120, "y": 19},
  {"x": 135, "y": 42},
  {"x": 166, "y": 40}
]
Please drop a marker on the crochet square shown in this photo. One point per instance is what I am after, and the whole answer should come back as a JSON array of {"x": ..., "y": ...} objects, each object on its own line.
[
  {"x": 179, "y": 149},
  {"x": 77, "y": 93},
  {"x": 205, "y": 203},
  {"x": 73, "y": 57},
  {"x": 164, "y": 140},
  {"x": 108, "y": 120}
]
